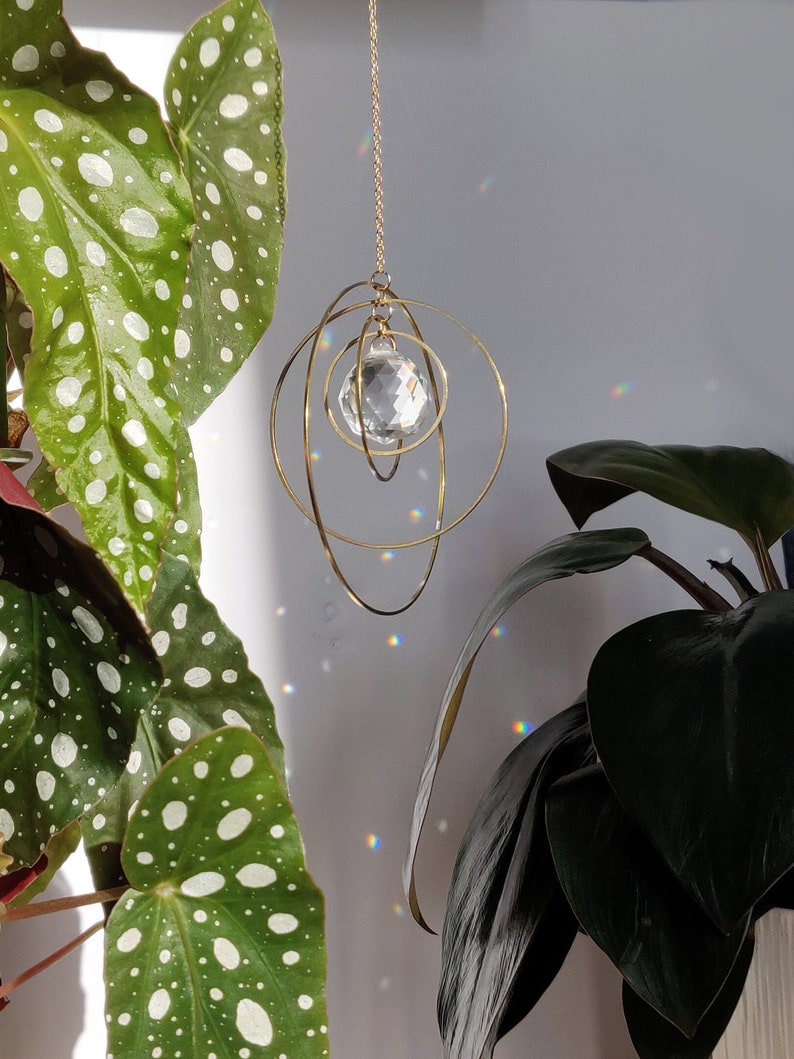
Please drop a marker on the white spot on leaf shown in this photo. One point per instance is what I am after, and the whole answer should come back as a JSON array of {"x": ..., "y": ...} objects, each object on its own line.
[
  {"x": 95, "y": 170},
  {"x": 31, "y": 204},
  {"x": 137, "y": 221},
  {"x": 109, "y": 677},
  {"x": 237, "y": 159},
  {"x": 134, "y": 433},
  {"x": 233, "y": 824},
  {"x": 209, "y": 51},
  {"x": 88, "y": 624},
  {"x": 255, "y": 876},
  {"x": 68, "y": 390},
  {"x": 95, "y": 492},
  {"x": 45, "y": 785},
  {"x": 143, "y": 511},
  {"x": 47, "y": 121},
  {"x": 227, "y": 954},
  {"x": 282, "y": 923},
  {"x": 241, "y": 766},
  {"x": 55, "y": 261},
  {"x": 135, "y": 326},
  {"x": 99, "y": 91},
  {"x": 253, "y": 1023},
  {"x": 233, "y": 106},
  {"x": 203, "y": 884},
  {"x": 129, "y": 940},
  {"x": 159, "y": 1003},
  {"x": 25, "y": 58},
  {"x": 174, "y": 815}
]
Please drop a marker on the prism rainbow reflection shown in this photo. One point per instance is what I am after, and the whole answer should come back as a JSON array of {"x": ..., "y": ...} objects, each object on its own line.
[{"x": 522, "y": 727}]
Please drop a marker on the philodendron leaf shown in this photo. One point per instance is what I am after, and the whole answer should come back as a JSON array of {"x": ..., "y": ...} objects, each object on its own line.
[
  {"x": 692, "y": 719},
  {"x": 223, "y": 94},
  {"x": 508, "y": 926},
  {"x": 95, "y": 220},
  {"x": 656, "y": 1038},
  {"x": 747, "y": 490},
  {"x": 76, "y": 670},
  {"x": 582, "y": 553},
  {"x": 208, "y": 684},
  {"x": 631, "y": 904},
  {"x": 218, "y": 948}
]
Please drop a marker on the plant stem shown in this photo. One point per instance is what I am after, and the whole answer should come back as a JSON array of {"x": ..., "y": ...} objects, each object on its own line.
[
  {"x": 736, "y": 578},
  {"x": 62, "y": 904},
  {"x": 703, "y": 594},
  {"x": 48, "y": 961},
  {"x": 769, "y": 574}
]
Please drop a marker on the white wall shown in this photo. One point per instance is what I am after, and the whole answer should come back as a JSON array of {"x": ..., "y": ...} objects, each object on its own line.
[{"x": 603, "y": 192}]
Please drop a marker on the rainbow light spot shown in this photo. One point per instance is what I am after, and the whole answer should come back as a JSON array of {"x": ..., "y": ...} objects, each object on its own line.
[
  {"x": 522, "y": 727},
  {"x": 365, "y": 146},
  {"x": 386, "y": 557},
  {"x": 416, "y": 514},
  {"x": 373, "y": 842},
  {"x": 398, "y": 910},
  {"x": 288, "y": 689},
  {"x": 280, "y": 612},
  {"x": 498, "y": 631},
  {"x": 316, "y": 455},
  {"x": 326, "y": 339},
  {"x": 621, "y": 389},
  {"x": 394, "y": 640},
  {"x": 486, "y": 185}
]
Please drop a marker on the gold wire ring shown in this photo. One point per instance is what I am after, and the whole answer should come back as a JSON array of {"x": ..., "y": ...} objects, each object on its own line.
[
  {"x": 429, "y": 431},
  {"x": 312, "y": 512}
]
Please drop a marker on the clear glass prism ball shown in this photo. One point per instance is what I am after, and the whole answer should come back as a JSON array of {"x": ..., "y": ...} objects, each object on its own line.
[{"x": 395, "y": 394}]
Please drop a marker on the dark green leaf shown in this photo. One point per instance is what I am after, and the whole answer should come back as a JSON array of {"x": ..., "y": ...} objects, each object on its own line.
[
  {"x": 218, "y": 948},
  {"x": 44, "y": 488},
  {"x": 76, "y": 671},
  {"x": 508, "y": 926},
  {"x": 632, "y": 906},
  {"x": 656, "y": 1038},
  {"x": 692, "y": 718},
  {"x": 223, "y": 94},
  {"x": 745, "y": 489},
  {"x": 95, "y": 220},
  {"x": 583, "y": 553},
  {"x": 207, "y": 684}
]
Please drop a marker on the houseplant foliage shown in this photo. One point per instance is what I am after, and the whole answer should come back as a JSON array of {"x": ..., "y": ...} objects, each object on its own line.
[
  {"x": 656, "y": 814},
  {"x": 140, "y": 257}
]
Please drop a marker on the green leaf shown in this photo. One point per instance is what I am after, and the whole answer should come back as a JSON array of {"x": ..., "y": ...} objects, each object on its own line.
[
  {"x": 632, "y": 906},
  {"x": 218, "y": 949},
  {"x": 207, "y": 684},
  {"x": 43, "y": 487},
  {"x": 18, "y": 321},
  {"x": 508, "y": 926},
  {"x": 95, "y": 220},
  {"x": 744, "y": 489},
  {"x": 692, "y": 719},
  {"x": 584, "y": 553},
  {"x": 76, "y": 671},
  {"x": 183, "y": 539},
  {"x": 223, "y": 94},
  {"x": 57, "y": 851},
  {"x": 656, "y": 1038}
]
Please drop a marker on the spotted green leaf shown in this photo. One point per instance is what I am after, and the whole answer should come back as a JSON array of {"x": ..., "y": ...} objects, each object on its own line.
[
  {"x": 223, "y": 95},
  {"x": 43, "y": 487},
  {"x": 18, "y": 320},
  {"x": 183, "y": 538},
  {"x": 76, "y": 671},
  {"x": 95, "y": 221},
  {"x": 207, "y": 684},
  {"x": 221, "y": 901}
]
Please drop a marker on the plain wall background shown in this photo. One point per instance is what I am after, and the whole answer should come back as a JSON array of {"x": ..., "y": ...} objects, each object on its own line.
[{"x": 602, "y": 191}]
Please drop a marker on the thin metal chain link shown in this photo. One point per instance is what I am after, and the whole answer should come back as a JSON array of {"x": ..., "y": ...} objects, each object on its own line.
[{"x": 377, "y": 161}]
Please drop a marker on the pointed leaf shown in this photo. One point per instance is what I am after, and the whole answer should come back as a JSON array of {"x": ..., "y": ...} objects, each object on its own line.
[
  {"x": 208, "y": 684},
  {"x": 508, "y": 926},
  {"x": 223, "y": 94},
  {"x": 744, "y": 489},
  {"x": 76, "y": 671},
  {"x": 632, "y": 906},
  {"x": 656, "y": 1038},
  {"x": 584, "y": 553},
  {"x": 691, "y": 716},
  {"x": 222, "y": 903},
  {"x": 39, "y": 876},
  {"x": 95, "y": 218}
]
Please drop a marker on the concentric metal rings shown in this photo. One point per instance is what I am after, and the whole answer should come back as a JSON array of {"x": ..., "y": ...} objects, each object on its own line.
[{"x": 378, "y": 310}]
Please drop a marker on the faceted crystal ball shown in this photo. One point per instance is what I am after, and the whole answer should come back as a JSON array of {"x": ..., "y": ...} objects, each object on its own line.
[{"x": 394, "y": 393}]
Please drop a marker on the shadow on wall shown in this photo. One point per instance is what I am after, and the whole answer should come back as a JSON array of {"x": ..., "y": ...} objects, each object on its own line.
[{"x": 45, "y": 1016}]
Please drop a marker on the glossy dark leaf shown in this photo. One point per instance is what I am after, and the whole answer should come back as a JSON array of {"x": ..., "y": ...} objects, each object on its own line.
[
  {"x": 656, "y": 1038},
  {"x": 76, "y": 670},
  {"x": 745, "y": 489},
  {"x": 583, "y": 553},
  {"x": 632, "y": 906},
  {"x": 508, "y": 926},
  {"x": 692, "y": 718}
]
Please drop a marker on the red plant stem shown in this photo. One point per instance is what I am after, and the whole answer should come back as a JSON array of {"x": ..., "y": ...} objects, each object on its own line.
[
  {"x": 61, "y": 904},
  {"x": 42, "y": 965}
]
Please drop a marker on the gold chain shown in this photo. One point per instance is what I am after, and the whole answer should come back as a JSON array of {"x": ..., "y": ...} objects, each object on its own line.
[{"x": 377, "y": 162}]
